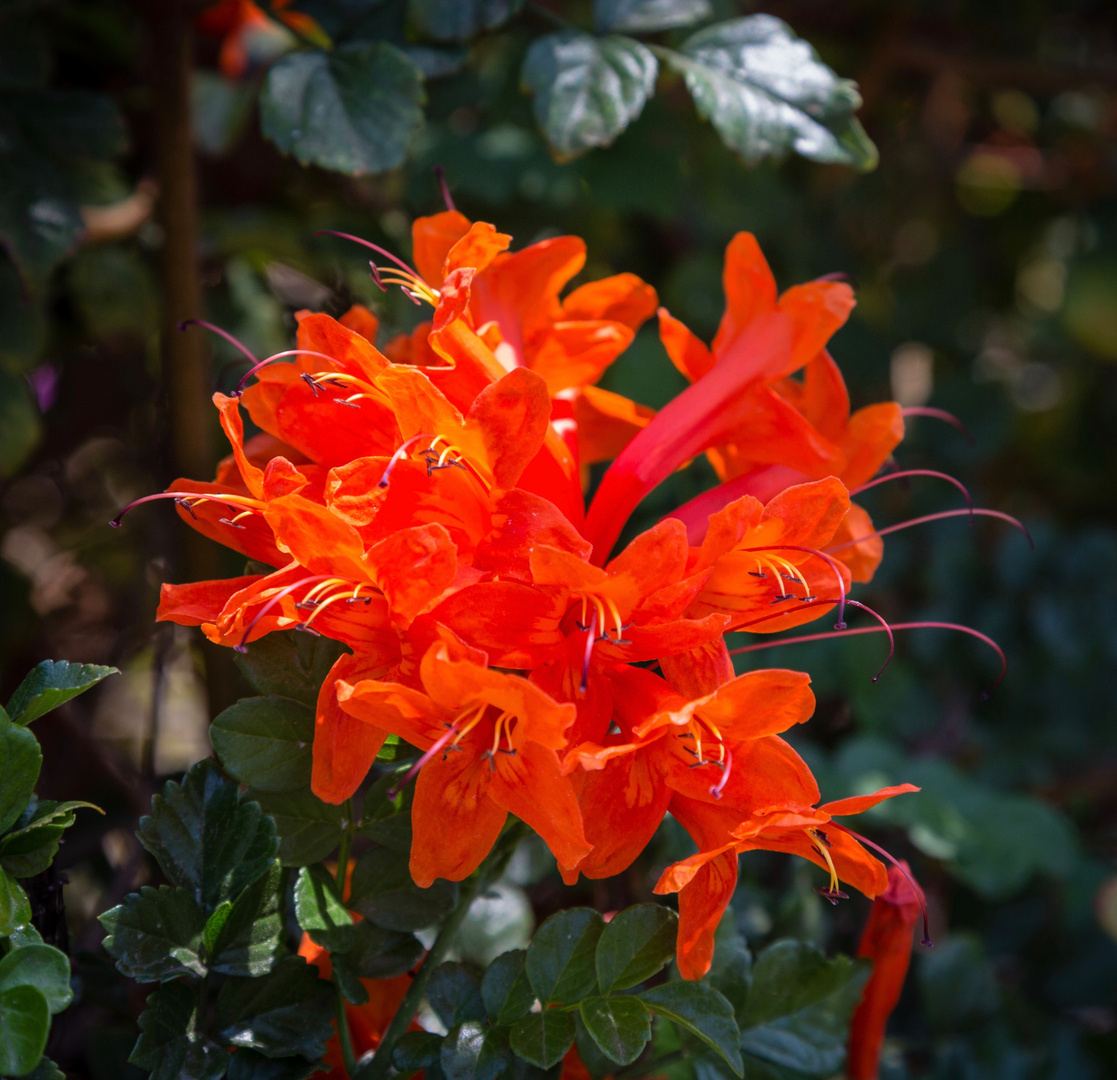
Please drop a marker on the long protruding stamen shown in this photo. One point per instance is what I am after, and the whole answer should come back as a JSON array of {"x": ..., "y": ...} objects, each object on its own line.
[
  {"x": 941, "y": 515},
  {"x": 841, "y": 623},
  {"x": 821, "y": 845},
  {"x": 940, "y": 414},
  {"x": 277, "y": 356},
  {"x": 237, "y": 502},
  {"x": 398, "y": 456},
  {"x": 591, "y": 637},
  {"x": 187, "y": 323},
  {"x": 374, "y": 247},
  {"x": 830, "y": 634},
  {"x": 242, "y": 645},
  {"x": 920, "y": 894},
  {"x": 727, "y": 768},
  {"x": 437, "y": 745},
  {"x": 905, "y": 473},
  {"x": 886, "y": 628},
  {"x": 440, "y": 175}
]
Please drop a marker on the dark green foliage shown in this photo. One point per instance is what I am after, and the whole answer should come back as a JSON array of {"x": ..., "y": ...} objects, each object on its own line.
[
  {"x": 50, "y": 684},
  {"x": 265, "y": 742},
  {"x": 543, "y": 1038},
  {"x": 635, "y": 945},
  {"x": 20, "y": 761},
  {"x": 703, "y": 1012},
  {"x": 454, "y": 995},
  {"x": 457, "y": 20},
  {"x": 355, "y": 109},
  {"x": 621, "y": 1026},
  {"x": 320, "y": 912},
  {"x": 648, "y": 16},
  {"x": 382, "y": 890},
  {"x": 309, "y": 829},
  {"x": 289, "y": 665},
  {"x": 505, "y": 988},
  {"x": 171, "y": 1043},
  {"x": 156, "y": 934},
  {"x": 45, "y": 968},
  {"x": 242, "y": 937},
  {"x": 560, "y": 961},
  {"x": 24, "y": 1026},
  {"x": 207, "y": 837}
]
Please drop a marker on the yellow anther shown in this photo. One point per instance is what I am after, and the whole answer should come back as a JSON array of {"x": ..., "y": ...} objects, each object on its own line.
[
  {"x": 475, "y": 719},
  {"x": 820, "y": 847},
  {"x": 242, "y": 514}
]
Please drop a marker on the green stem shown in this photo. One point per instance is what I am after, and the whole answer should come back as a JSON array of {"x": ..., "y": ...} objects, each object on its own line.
[
  {"x": 344, "y": 1035},
  {"x": 489, "y": 870},
  {"x": 344, "y": 847}
]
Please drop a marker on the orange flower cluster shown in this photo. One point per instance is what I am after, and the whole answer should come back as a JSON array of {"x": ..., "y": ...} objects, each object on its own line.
[{"x": 423, "y": 505}]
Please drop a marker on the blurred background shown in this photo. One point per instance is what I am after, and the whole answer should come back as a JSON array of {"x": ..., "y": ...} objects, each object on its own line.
[{"x": 983, "y": 250}]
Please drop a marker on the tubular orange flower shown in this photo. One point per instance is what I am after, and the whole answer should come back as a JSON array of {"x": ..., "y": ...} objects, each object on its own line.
[{"x": 887, "y": 942}]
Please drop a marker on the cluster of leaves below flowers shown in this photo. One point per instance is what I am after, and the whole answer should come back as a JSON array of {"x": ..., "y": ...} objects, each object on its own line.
[{"x": 34, "y": 976}]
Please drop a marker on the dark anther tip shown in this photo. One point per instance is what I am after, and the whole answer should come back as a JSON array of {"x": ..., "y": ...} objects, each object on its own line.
[
  {"x": 185, "y": 324},
  {"x": 928, "y": 943},
  {"x": 116, "y": 523},
  {"x": 841, "y": 626},
  {"x": 242, "y": 649}
]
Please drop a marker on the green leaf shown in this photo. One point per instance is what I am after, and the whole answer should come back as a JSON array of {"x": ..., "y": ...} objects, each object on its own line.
[
  {"x": 634, "y": 945},
  {"x": 454, "y": 995},
  {"x": 621, "y": 1026},
  {"x": 290, "y": 664},
  {"x": 30, "y": 848},
  {"x": 250, "y": 1065},
  {"x": 24, "y": 1027},
  {"x": 416, "y": 1050},
  {"x": 207, "y": 837},
  {"x": 457, "y": 20},
  {"x": 731, "y": 971},
  {"x": 47, "y": 135},
  {"x": 381, "y": 889},
  {"x": 280, "y": 1014},
  {"x": 309, "y": 829},
  {"x": 587, "y": 89},
  {"x": 20, "y": 761},
  {"x": 648, "y": 16},
  {"x": 320, "y": 911},
  {"x": 43, "y": 967},
  {"x": 172, "y": 1042},
  {"x": 597, "y": 1064},
  {"x": 377, "y": 953},
  {"x": 45, "y": 1070},
  {"x": 353, "y": 110},
  {"x": 767, "y": 93},
  {"x": 470, "y": 1051},
  {"x": 156, "y": 934},
  {"x": 14, "y": 907},
  {"x": 702, "y": 1011},
  {"x": 265, "y": 742},
  {"x": 560, "y": 959},
  {"x": 50, "y": 684},
  {"x": 543, "y": 1038},
  {"x": 246, "y": 939},
  {"x": 505, "y": 988},
  {"x": 19, "y": 424},
  {"x": 799, "y": 1007}
]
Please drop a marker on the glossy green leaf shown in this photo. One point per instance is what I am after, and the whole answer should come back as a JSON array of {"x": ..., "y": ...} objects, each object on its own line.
[
  {"x": 597, "y": 1064},
  {"x": 648, "y": 16},
  {"x": 560, "y": 960},
  {"x": 320, "y": 911},
  {"x": 52, "y": 683},
  {"x": 471, "y": 1051},
  {"x": 283, "y": 1013},
  {"x": 620, "y": 1026},
  {"x": 702, "y": 1011},
  {"x": 454, "y": 995},
  {"x": 24, "y": 1027},
  {"x": 505, "y": 988},
  {"x": 247, "y": 938},
  {"x": 251, "y": 1065},
  {"x": 799, "y": 1007},
  {"x": 767, "y": 93},
  {"x": 634, "y": 945},
  {"x": 543, "y": 1038},
  {"x": 14, "y": 907},
  {"x": 45, "y": 1070},
  {"x": 172, "y": 1042},
  {"x": 353, "y": 110},
  {"x": 587, "y": 89},
  {"x": 290, "y": 664},
  {"x": 377, "y": 953},
  {"x": 265, "y": 742},
  {"x": 156, "y": 934},
  {"x": 309, "y": 829},
  {"x": 207, "y": 837},
  {"x": 20, "y": 761},
  {"x": 416, "y": 1050},
  {"x": 457, "y": 20},
  {"x": 32, "y": 844},
  {"x": 43, "y": 967},
  {"x": 381, "y": 889}
]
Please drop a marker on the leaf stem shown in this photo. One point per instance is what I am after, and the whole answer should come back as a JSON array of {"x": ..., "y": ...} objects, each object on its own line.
[
  {"x": 489, "y": 870},
  {"x": 344, "y": 1035}
]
